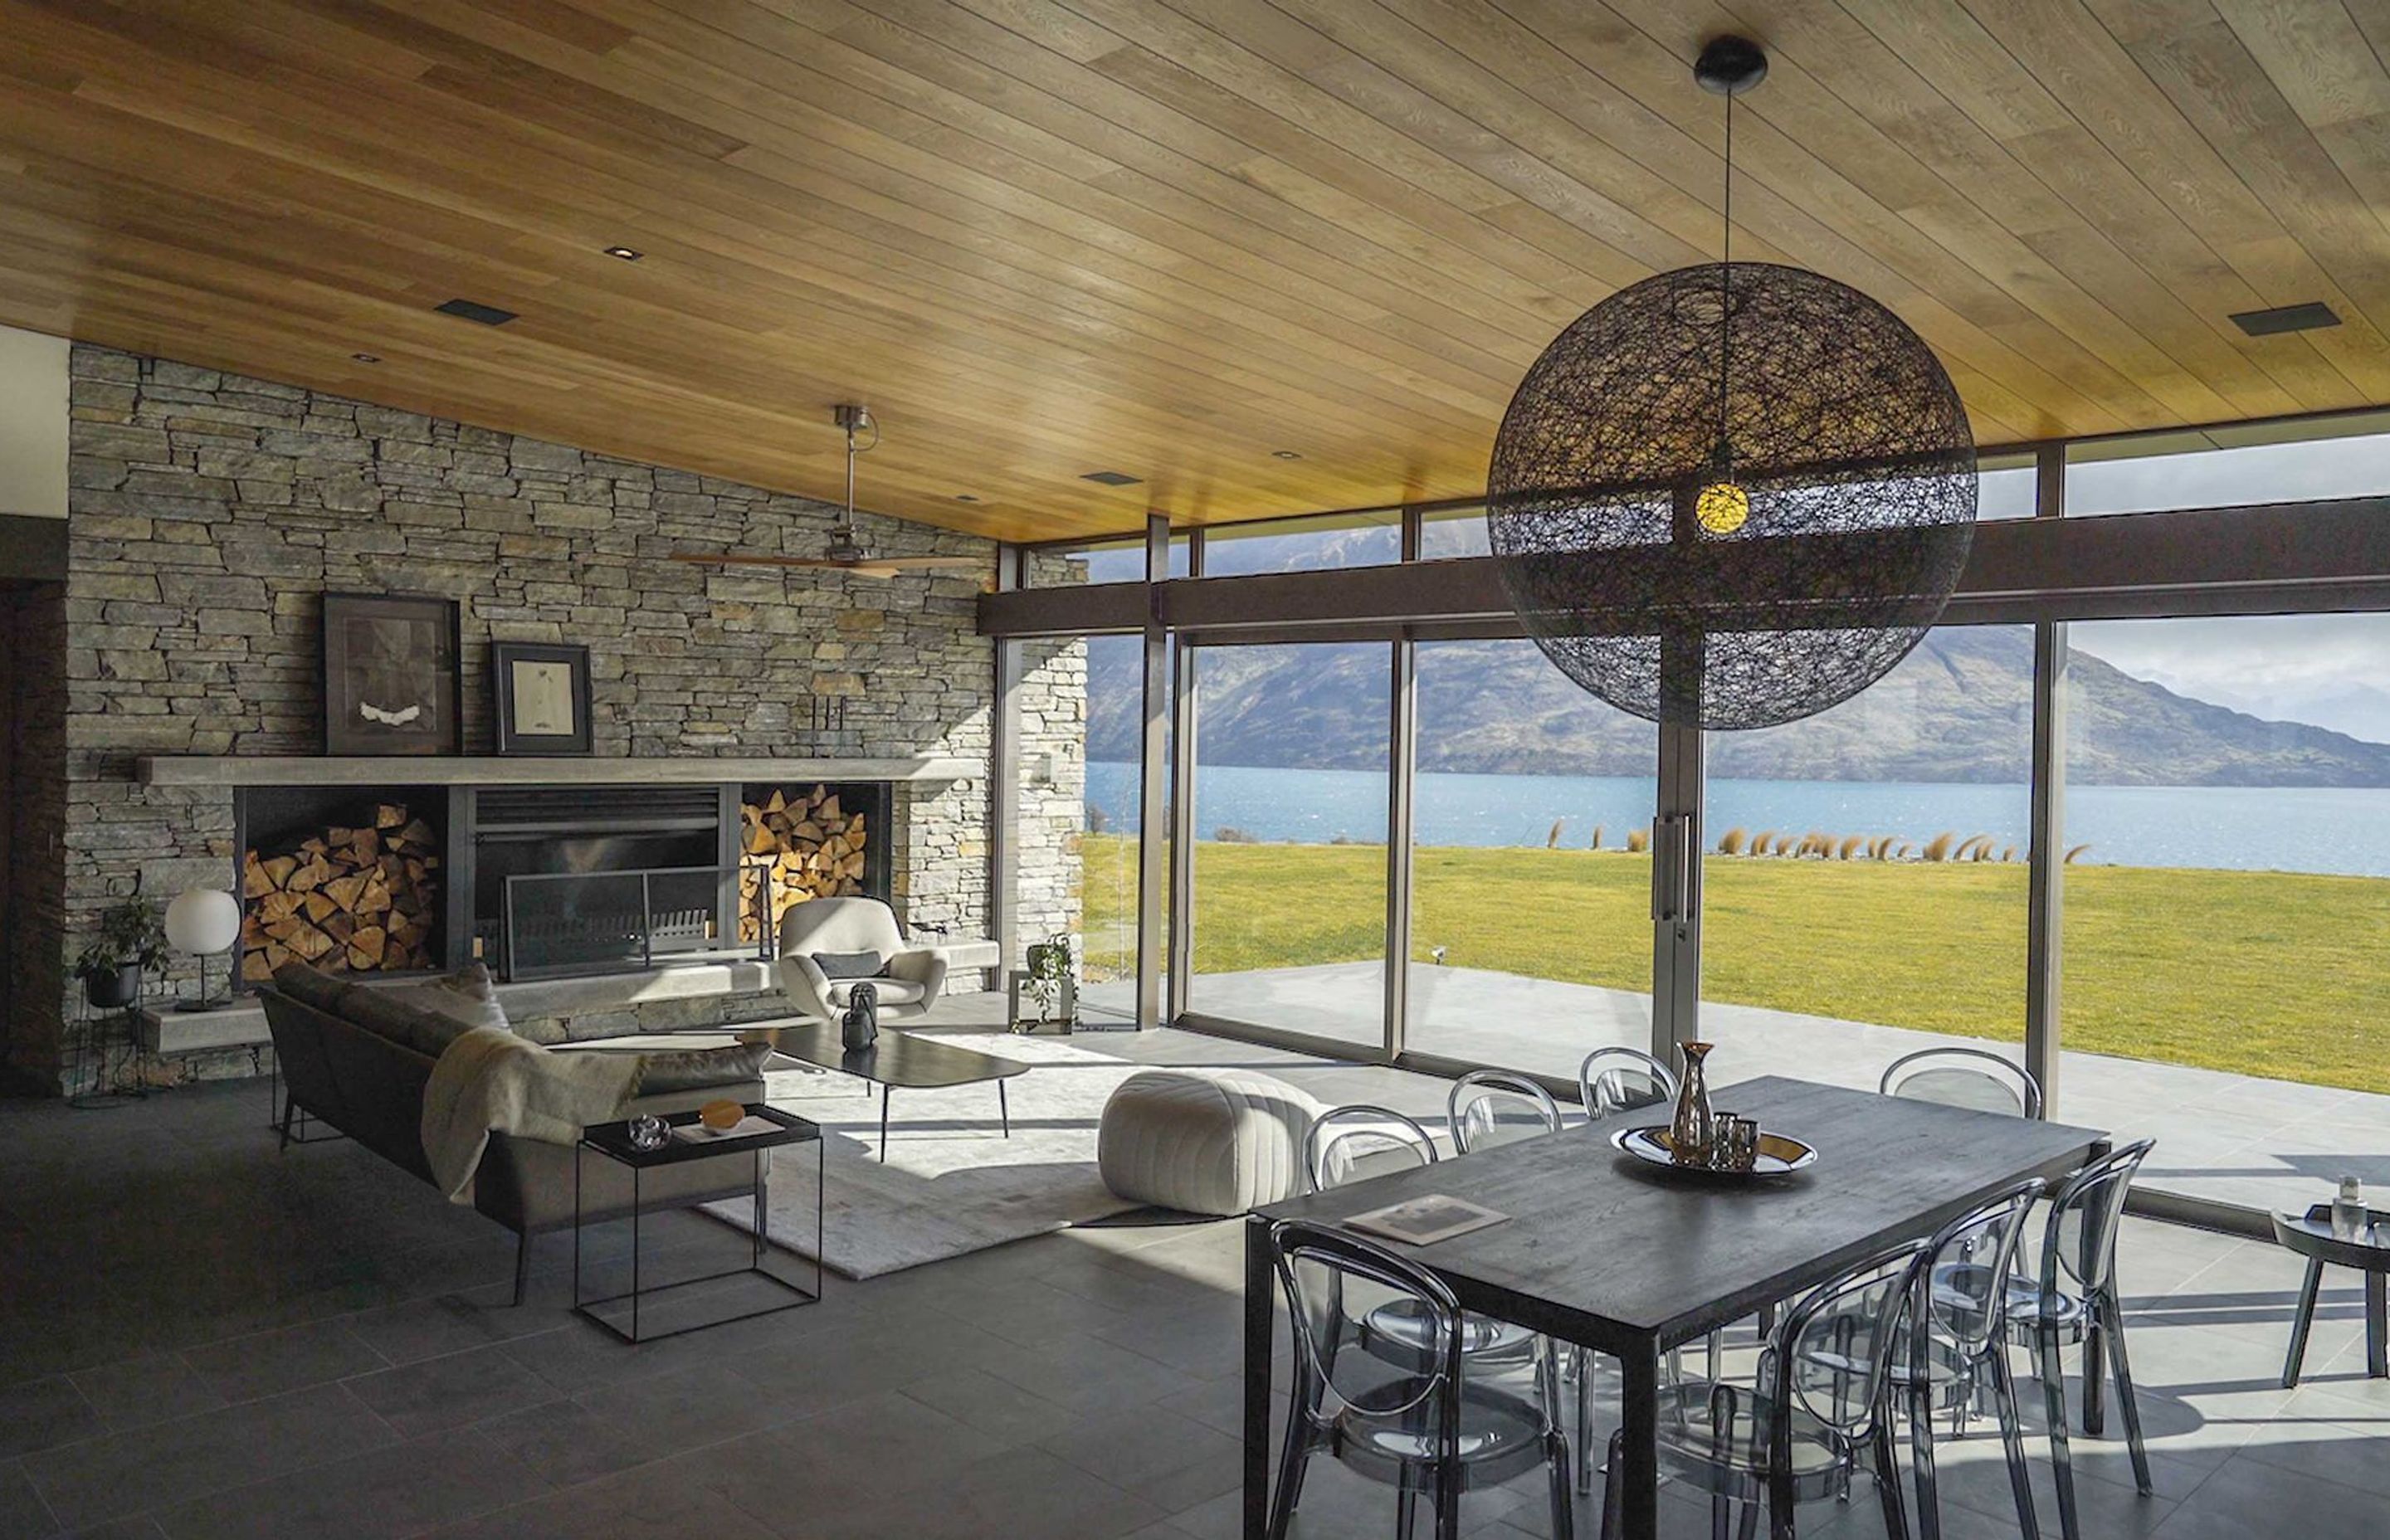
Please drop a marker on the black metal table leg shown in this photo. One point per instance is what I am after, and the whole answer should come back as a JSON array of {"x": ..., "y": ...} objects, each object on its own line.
[
  {"x": 1258, "y": 1300},
  {"x": 883, "y": 1122},
  {"x": 2095, "y": 1378},
  {"x": 1004, "y": 1109},
  {"x": 2300, "y": 1322},
  {"x": 1637, "y": 1469},
  {"x": 2377, "y": 1328}
]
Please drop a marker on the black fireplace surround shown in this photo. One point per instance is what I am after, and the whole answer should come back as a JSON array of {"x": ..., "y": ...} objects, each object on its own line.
[{"x": 604, "y": 878}]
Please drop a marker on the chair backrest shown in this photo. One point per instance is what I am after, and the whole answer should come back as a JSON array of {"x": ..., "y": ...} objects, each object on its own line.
[
  {"x": 1832, "y": 1350},
  {"x": 1964, "y": 1077},
  {"x": 1351, "y": 1144},
  {"x": 1618, "y": 1080},
  {"x": 1491, "y": 1107},
  {"x": 841, "y": 925},
  {"x": 1317, "y": 1268},
  {"x": 2086, "y": 1212},
  {"x": 1961, "y": 1292}
]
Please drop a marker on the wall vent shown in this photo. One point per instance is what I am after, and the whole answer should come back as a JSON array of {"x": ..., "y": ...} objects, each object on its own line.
[
  {"x": 1109, "y": 478},
  {"x": 489, "y": 315},
  {"x": 2311, "y": 316}
]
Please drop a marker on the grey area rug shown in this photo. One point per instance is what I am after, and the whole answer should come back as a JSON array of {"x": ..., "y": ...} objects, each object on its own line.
[{"x": 952, "y": 1182}]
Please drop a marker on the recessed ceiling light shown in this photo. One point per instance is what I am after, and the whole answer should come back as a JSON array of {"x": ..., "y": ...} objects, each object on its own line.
[
  {"x": 2310, "y": 316},
  {"x": 966, "y": 497},
  {"x": 473, "y": 310},
  {"x": 1285, "y": 455},
  {"x": 367, "y": 357},
  {"x": 626, "y": 253},
  {"x": 1109, "y": 478}
]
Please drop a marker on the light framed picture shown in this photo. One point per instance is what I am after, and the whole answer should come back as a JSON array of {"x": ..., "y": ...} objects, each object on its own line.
[
  {"x": 543, "y": 698},
  {"x": 391, "y": 674}
]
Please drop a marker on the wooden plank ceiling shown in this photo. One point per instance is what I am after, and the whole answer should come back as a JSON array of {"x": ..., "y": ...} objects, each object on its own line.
[{"x": 1167, "y": 238}]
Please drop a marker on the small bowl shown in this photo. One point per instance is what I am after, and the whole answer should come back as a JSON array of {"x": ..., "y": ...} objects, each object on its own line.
[{"x": 720, "y": 1117}]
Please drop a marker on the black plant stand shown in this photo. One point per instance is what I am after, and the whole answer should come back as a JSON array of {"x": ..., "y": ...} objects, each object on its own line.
[
  {"x": 620, "y": 1314},
  {"x": 109, "y": 1047}
]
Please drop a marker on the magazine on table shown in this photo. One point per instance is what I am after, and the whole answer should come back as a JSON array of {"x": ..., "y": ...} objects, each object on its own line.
[{"x": 1424, "y": 1220}]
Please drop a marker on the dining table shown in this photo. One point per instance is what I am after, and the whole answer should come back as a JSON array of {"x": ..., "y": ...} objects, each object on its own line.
[{"x": 1600, "y": 1248}]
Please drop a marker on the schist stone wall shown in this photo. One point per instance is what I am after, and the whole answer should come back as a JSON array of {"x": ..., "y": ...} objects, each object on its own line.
[{"x": 210, "y": 513}]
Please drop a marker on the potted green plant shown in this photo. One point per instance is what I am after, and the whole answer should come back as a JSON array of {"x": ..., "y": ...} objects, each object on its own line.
[
  {"x": 1053, "y": 980},
  {"x": 131, "y": 940}
]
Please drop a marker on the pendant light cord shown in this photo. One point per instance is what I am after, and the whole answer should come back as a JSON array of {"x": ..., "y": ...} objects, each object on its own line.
[{"x": 1726, "y": 276}]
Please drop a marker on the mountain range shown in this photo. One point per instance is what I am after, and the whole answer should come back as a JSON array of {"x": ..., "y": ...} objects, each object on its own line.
[{"x": 1956, "y": 709}]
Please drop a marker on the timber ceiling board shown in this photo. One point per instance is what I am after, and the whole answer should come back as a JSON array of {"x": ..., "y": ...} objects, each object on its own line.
[{"x": 1044, "y": 237}]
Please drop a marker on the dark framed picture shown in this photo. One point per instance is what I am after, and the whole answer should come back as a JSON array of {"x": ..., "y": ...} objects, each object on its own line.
[
  {"x": 543, "y": 698},
  {"x": 391, "y": 674}
]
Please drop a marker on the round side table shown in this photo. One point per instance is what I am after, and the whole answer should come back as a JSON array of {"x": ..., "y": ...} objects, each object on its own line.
[{"x": 2310, "y": 1235}]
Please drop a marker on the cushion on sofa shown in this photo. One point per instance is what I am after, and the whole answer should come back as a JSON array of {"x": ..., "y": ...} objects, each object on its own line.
[
  {"x": 695, "y": 1069},
  {"x": 310, "y": 985},
  {"x": 850, "y": 965},
  {"x": 381, "y": 1012},
  {"x": 468, "y": 994}
]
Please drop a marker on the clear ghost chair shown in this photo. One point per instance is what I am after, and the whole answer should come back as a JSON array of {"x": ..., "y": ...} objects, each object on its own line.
[
  {"x": 1956, "y": 1337},
  {"x": 1621, "y": 1080},
  {"x": 1820, "y": 1403},
  {"x": 1492, "y": 1107},
  {"x": 1964, "y": 1077},
  {"x": 1435, "y": 1431},
  {"x": 2074, "y": 1298},
  {"x": 1352, "y": 1144}
]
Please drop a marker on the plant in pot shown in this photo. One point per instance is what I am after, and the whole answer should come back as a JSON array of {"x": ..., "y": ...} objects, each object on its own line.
[
  {"x": 1053, "y": 980},
  {"x": 131, "y": 940}
]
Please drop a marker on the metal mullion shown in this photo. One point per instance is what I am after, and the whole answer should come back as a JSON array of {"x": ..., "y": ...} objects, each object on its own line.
[
  {"x": 2045, "y": 871},
  {"x": 1152, "y": 868},
  {"x": 1402, "y": 764},
  {"x": 1183, "y": 774}
]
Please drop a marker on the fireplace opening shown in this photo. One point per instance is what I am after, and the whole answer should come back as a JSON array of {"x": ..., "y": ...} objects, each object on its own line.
[
  {"x": 587, "y": 879},
  {"x": 350, "y": 880}
]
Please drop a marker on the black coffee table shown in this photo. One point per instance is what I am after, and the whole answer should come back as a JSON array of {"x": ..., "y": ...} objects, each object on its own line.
[
  {"x": 2309, "y": 1234},
  {"x": 898, "y": 1058}
]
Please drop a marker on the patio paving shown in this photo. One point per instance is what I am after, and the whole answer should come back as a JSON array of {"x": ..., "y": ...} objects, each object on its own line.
[{"x": 2240, "y": 1139}]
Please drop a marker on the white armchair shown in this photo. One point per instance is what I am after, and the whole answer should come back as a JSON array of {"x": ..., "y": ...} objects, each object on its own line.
[{"x": 911, "y": 978}]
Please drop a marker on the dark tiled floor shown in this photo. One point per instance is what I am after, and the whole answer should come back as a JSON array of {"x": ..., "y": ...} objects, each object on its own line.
[{"x": 201, "y": 1337}]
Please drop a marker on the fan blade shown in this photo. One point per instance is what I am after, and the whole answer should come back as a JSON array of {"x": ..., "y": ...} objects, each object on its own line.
[
  {"x": 729, "y": 558},
  {"x": 926, "y": 562}
]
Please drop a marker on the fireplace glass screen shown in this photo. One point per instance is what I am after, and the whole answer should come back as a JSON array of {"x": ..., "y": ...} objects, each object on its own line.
[{"x": 595, "y": 922}]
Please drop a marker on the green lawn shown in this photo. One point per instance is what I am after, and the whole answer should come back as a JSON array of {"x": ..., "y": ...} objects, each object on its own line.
[{"x": 2269, "y": 973}]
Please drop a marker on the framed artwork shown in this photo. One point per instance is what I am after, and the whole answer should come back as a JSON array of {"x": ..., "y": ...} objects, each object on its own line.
[
  {"x": 543, "y": 698},
  {"x": 391, "y": 674}
]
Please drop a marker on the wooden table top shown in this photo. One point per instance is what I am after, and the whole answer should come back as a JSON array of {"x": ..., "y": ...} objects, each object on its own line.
[
  {"x": 1603, "y": 1250},
  {"x": 904, "y": 1060}
]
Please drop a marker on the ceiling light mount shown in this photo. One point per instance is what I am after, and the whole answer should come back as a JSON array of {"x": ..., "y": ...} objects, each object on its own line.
[
  {"x": 624, "y": 254},
  {"x": 367, "y": 357},
  {"x": 1286, "y": 455},
  {"x": 1731, "y": 65}
]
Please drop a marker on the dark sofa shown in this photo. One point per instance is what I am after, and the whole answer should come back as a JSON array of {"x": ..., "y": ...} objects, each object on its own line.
[{"x": 370, "y": 1087}]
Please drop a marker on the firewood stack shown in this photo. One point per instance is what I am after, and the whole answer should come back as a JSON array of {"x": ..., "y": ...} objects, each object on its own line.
[
  {"x": 805, "y": 847},
  {"x": 359, "y": 900}
]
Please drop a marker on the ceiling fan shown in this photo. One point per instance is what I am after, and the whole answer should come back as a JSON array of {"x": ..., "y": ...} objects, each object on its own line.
[{"x": 846, "y": 553}]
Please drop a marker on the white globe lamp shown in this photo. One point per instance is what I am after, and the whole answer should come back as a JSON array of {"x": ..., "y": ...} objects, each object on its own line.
[{"x": 203, "y": 923}]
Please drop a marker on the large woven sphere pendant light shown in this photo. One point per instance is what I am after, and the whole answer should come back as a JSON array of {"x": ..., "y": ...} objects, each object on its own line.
[{"x": 1734, "y": 494}]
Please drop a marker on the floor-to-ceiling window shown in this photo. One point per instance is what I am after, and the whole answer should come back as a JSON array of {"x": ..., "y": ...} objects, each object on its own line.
[
  {"x": 2226, "y": 929},
  {"x": 1531, "y": 925},
  {"x": 1865, "y": 875},
  {"x": 1288, "y": 825}
]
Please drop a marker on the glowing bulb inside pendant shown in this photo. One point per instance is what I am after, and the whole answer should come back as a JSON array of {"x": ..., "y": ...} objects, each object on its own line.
[{"x": 1722, "y": 508}]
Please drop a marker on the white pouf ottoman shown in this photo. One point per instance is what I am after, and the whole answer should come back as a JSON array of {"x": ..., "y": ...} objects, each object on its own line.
[{"x": 1204, "y": 1141}]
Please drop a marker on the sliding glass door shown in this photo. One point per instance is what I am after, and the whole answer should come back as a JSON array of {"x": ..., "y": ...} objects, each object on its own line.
[
  {"x": 1530, "y": 872},
  {"x": 1288, "y": 847}
]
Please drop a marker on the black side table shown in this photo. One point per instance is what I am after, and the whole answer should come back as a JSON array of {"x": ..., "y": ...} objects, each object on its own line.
[
  {"x": 620, "y": 1312},
  {"x": 2369, "y": 1252}
]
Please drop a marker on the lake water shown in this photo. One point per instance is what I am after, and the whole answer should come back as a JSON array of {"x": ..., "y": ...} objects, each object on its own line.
[{"x": 2250, "y": 829}]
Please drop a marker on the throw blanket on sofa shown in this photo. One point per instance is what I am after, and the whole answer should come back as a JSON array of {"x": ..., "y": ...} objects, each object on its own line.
[{"x": 492, "y": 1082}]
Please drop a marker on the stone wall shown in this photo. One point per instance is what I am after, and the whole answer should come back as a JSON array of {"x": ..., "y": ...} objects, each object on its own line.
[{"x": 210, "y": 513}]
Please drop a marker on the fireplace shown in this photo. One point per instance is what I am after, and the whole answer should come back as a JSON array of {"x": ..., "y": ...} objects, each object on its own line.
[{"x": 543, "y": 881}]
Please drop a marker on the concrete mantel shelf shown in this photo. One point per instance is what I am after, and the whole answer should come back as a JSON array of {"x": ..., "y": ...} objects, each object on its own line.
[{"x": 488, "y": 770}]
